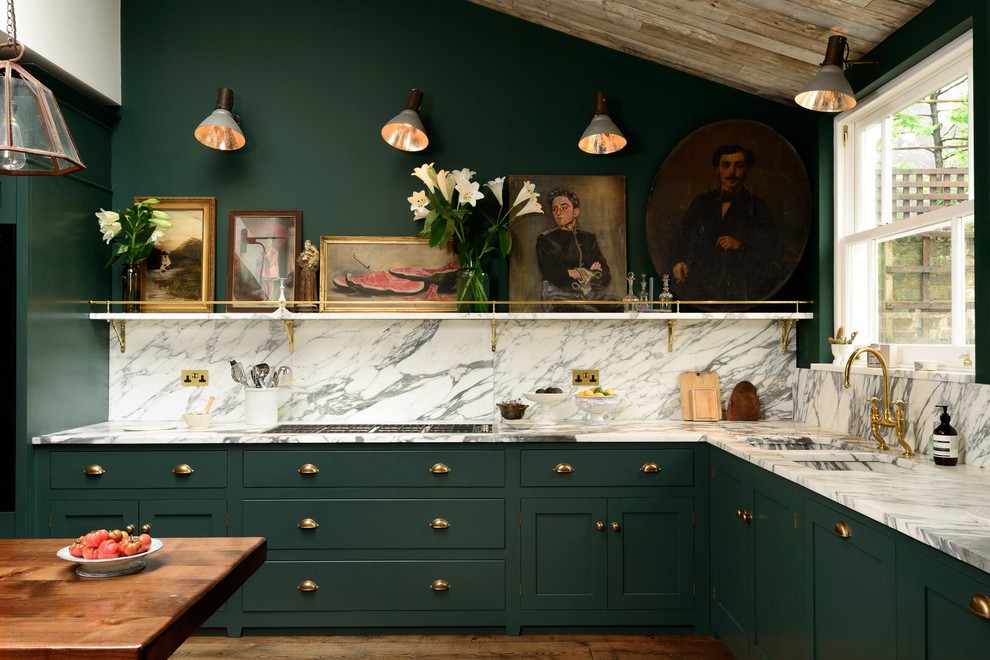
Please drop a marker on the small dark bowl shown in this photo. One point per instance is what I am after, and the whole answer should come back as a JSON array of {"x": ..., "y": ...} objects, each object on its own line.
[{"x": 512, "y": 410}]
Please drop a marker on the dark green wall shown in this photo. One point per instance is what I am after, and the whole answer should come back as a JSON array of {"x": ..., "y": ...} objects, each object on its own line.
[{"x": 315, "y": 81}]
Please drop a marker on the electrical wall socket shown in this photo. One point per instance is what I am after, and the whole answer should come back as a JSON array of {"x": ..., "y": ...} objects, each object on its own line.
[
  {"x": 195, "y": 377},
  {"x": 585, "y": 378}
]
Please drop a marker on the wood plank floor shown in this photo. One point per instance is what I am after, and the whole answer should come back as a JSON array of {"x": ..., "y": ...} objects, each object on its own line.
[{"x": 459, "y": 647}]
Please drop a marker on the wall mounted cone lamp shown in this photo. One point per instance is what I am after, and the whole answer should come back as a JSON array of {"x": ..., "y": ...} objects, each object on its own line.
[
  {"x": 34, "y": 139},
  {"x": 222, "y": 130},
  {"x": 405, "y": 131},
  {"x": 828, "y": 90},
  {"x": 602, "y": 136}
]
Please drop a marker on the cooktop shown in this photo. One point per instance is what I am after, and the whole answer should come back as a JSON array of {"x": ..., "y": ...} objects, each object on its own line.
[{"x": 416, "y": 427}]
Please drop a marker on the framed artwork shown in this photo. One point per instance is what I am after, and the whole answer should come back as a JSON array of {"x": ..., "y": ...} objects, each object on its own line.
[
  {"x": 178, "y": 276},
  {"x": 261, "y": 257},
  {"x": 386, "y": 274},
  {"x": 572, "y": 258},
  {"x": 729, "y": 214}
]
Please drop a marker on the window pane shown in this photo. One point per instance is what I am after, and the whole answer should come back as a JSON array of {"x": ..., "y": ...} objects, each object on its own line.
[
  {"x": 970, "y": 285},
  {"x": 914, "y": 293}
]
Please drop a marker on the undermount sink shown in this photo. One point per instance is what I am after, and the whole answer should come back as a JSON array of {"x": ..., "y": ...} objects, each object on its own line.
[
  {"x": 791, "y": 444},
  {"x": 862, "y": 463}
]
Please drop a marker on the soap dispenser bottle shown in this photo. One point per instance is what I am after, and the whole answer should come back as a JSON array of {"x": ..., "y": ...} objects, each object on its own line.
[{"x": 945, "y": 440}]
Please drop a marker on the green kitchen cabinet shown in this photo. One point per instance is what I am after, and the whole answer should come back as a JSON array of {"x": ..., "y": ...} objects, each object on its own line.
[
  {"x": 850, "y": 573},
  {"x": 756, "y": 559},
  {"x": 163, "y": 517},
  {"x": 944, "y": 605}
]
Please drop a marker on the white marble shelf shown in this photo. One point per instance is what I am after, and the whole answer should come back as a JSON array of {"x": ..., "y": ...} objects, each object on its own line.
[{"x": 480, "y": 316}]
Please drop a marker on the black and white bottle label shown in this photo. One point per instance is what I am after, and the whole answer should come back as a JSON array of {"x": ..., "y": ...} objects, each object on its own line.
[{"x": 945, "y": 446}]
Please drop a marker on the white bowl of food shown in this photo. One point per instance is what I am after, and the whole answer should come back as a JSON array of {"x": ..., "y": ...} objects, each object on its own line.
[
  {"x": 596, "y": 405},
  {"x": 547, "y": 400}
]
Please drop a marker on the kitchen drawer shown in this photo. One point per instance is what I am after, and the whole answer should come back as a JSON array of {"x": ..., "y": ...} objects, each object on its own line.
[
  {"x": 607, "y": 467},
  {"x": 400, "y": 468},
  {"x": 376, "y": 523},
  {"x": 152, "y": 469},
  {"x": 375, "y": 586}
]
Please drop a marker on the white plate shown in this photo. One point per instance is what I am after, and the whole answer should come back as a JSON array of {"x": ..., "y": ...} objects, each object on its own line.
[
  {"x": 519, "y": 423},
  {"x": 161, "y": 426},
  {"x": 544, "y": 397},
  {"x": 101, "y": 568}
]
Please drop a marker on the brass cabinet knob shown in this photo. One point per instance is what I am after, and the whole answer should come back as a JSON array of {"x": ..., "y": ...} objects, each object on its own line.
[
  {"x": 739, "y": 513},
  {"x": 563, "y": 468},
  {"x": 980, "y": 606},
  {"x": 440, "y": 585},
  {"x": 94, "y": 471},
  {"x": 650, "y": 468},
  {"x": 616, "y": 527},
  {"x": 439, "y": 468},
  {"x": 842, "y": 529},
  {"x": 309, "y": 468},
  {"x": 747, "y": 517},
  {"x": 146, "y": 528},
  {"x": 308, "y": 585},
  {"x": 182, "y": 468},
  {"x": 129, "y": 529},
  {"x": 439, "y": 523},
  {"x": 600, "y": 526},
  {"x": 308, "y": 523}
]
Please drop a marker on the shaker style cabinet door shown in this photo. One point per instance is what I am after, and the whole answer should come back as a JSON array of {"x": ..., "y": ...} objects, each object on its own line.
[{"x": 73, "y": 518}]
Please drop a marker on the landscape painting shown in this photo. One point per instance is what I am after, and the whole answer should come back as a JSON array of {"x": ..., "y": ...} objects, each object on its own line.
[{"x": 386, "y": 274}]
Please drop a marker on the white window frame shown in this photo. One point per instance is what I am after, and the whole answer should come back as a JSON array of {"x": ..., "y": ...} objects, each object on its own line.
[{"x": 854, "y": 304}]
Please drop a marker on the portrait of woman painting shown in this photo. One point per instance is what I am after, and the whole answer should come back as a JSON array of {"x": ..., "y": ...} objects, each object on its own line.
[
  {"x": 729, "y": 215},
  {"x": 572, "y": 257}
]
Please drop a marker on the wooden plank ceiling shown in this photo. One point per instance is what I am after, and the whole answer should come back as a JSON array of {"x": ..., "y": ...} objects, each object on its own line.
[{"x": 770, "y": 48}]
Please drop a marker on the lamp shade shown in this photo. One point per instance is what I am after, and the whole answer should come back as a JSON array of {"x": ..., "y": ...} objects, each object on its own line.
[
  {"x": 828, "y": 90},
  {"x": 34, "y": 139},
  {"x": 405, "y": 131},
  {"x": 602, "y": 135},
  {"x": 222, "y": 130}
]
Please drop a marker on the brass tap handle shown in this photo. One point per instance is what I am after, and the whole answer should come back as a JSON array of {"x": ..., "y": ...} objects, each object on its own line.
[
  {"x": 308, "y": 468},
  {"x": 308, "y": 523},
  {"x": 439, "y": 523},
  {"x": 182, "y": 469},
  {"x": 966, "y": 360},
  {"x": 650, "y": 468},
  {"x": 146, "y": 528},
  {"x": 439, "y": 468},
  {"x": 900, "y": 427},
  {"x": 563, "y": 468},
  {"x": 842, "y": 530},
  {"x": 747, "y": 517},
  {"x": 616, "y": 527},
  {"x": 440, "y": 585},
  {"x": 600, "y": 526},
  {"x": 308, "y": 585},
  {"x": 94, "y": 471},
  {"x": 980, "y": 606}
]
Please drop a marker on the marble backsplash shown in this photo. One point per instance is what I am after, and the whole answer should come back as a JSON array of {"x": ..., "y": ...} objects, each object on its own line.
[
  {"x": 820, "y": 399},
  {"x": 400, "y": 370}
]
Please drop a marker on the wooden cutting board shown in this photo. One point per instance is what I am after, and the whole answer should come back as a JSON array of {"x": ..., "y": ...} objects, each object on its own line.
[{"x": 700, "y": 380}]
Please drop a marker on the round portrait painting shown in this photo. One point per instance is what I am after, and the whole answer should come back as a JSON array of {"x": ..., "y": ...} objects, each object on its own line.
[{"x": 729, "y": 215}]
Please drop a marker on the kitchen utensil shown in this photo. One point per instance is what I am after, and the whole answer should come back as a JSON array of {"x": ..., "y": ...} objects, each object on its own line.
[
  {"x": 254, "y": 376},
  {"x": 263, "y": 371},
  {"x": 744, "y": 403},
  {"x": 279, "y": 374},
  {"x": 705, "y": 405},
  {"x": 237, "y": 372},
  {"x": 261, "y": 406},
  {"x": 197, "y": 421},
  {"x": 691, "y": 380},
  {"x": 209, "y": 404}
]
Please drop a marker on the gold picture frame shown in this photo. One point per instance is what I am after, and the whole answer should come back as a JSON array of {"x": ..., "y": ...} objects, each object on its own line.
[
  {"x": 357, "y": 274},
  {"x": 179, "y": 274}
]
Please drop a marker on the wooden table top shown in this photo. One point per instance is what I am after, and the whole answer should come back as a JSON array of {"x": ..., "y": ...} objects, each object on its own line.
[{"x": 46, "y": 610}]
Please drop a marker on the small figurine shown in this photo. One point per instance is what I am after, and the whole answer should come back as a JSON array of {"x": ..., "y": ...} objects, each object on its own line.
[
  {"x": 309, "y": 264},
  {"x": 666, "y": 297},
  {"x": 630, "y": 296},
  {"x": 643, "y": 296}
]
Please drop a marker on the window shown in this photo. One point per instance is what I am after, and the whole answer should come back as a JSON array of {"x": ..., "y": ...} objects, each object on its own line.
[{"x": 904, "y": 258}]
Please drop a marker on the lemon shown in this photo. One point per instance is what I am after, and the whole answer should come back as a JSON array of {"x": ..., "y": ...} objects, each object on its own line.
[{"x": 609, "y": 392}]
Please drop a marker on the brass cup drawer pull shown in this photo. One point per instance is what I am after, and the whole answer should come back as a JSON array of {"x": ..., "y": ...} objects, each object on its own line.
[
  {"x": 440, "y": 585},
  {"x": 650, "y": 468},
  {"x": 980, "y": 606},
  {"x": 563, "y": 468},
  {"x": 439, "y": 468},
  {"x": 600, "y": 526},
  {"x": 182, "y": 469},
  {"x": 309, "y": 468},
  {"x": 616, "y": 527},
  {"x": 94, "y": 471},
  {"x": 842, "y": 530},
  {"x": 308, "y": 585},
  {"x": 308, "y": 523},
  {"x": 439, "y": 523}
]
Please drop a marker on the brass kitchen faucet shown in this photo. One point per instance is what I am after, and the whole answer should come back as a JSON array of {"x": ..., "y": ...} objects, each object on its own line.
[{"x": 897, "y": 421}]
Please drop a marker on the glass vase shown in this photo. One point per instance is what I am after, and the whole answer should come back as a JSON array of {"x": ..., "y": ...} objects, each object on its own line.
[
  {"x": 130, "y": 287},
  {"x": 472, "y": 290}
]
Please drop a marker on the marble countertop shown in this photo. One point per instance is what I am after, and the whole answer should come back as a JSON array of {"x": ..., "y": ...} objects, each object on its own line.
[{"x": 944, "y": 507}]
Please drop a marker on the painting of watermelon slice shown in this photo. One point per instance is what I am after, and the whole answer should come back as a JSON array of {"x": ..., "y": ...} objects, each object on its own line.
[
  {"x": 383, "y": 283},
  {"x": 445, "y": 277}
]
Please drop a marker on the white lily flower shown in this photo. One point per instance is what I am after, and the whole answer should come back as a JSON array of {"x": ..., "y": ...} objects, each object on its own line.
[
  {"x": 155, "y": 235},
  {"x": 164, "y": 223},
  {"x": 109, "y": 230},
  {"x": 426, "y": 174},
  {"x": 527, "y": 191},
  {"x": 532, "y": 206},
  {"x": 107, "y": 216},
  {"x": 446, "y": 184},
  {"x": 462, "y": 175},
  {"x": 495, "y": 185},
  {"x": 468, "y": 192},
  {"x": 417, "y": 204}
]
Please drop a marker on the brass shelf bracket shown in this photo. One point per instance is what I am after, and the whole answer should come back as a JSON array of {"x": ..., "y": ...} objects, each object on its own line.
[
  {"x": 786, "y": 325},
  {"x": 119, "y": 328},
  {"x": 671, "y": 324},
  {"x": 494, "y": 336},
  {"x": 290, "y": 331}
]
